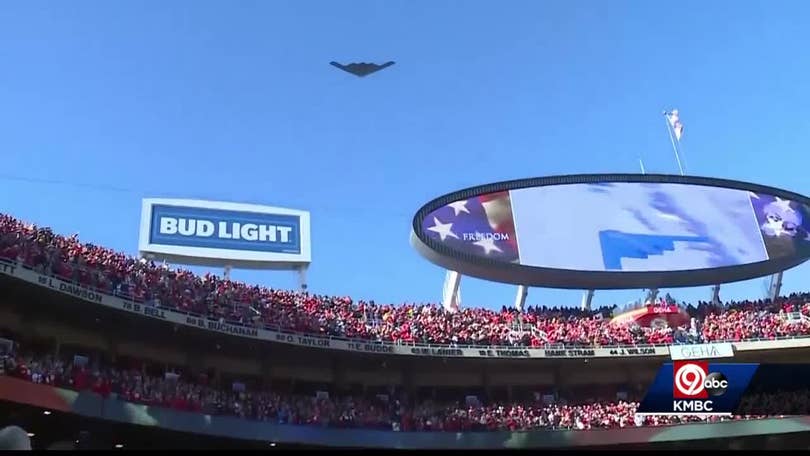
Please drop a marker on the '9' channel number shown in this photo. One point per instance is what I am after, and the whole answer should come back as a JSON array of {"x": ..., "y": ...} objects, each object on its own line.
[{"x": 692, "y": 380}]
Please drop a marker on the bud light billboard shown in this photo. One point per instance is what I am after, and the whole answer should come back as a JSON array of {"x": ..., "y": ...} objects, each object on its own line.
[
  {"x": 616, "y": 231},
  {"x": 220, "y": 233}
]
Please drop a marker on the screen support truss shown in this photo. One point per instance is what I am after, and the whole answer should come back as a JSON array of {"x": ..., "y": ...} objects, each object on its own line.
[
  {"x": 716, "y": 295},
  {"x": 451, "y": 297},
  {"x": 520, "y": 297},
  {"x": 776, "y": 286},
  {"x": 587, "y": 297},
  {"x": 302, "y": 278}
]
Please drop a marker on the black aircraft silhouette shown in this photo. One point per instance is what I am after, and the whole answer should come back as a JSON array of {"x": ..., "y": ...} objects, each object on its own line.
[{"x": 361, "y": 69}]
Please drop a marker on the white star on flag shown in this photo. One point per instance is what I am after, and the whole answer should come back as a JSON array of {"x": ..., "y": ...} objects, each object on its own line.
[
  {"x": 459, "y": 207},
  {"x": 774, "y": 228},
  {"x": 488, "y": 244},
  {"x": 443, "y": 229},
  {"x": 784, "y": 205}
]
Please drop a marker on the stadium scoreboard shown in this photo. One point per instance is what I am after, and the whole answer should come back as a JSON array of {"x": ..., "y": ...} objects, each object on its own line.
[{"x": 607, "y": 231}]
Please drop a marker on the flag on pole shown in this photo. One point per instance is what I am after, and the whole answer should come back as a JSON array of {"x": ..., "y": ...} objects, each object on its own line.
[{"x": 675, "y": 122}]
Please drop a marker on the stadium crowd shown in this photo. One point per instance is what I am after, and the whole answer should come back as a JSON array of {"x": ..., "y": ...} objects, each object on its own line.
[
  {"x": 383, "y": 412},
  {"x": 113, "y": 272},
  {"x": 789, "y": 402}
]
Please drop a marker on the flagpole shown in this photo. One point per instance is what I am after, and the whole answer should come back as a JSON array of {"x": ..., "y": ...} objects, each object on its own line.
[
  {"x": 670, "y": 129},
  {"x": 674, "y": 146}
]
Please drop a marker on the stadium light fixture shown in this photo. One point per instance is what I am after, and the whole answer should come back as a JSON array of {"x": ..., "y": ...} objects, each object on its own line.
[
  {"x": 31, "y": 434},
  {"x": 46, "y": 412},
  {"x": 119, "y": 445}
]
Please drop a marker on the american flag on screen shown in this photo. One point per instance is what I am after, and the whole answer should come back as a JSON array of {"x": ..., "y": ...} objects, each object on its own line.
[{"x": 482, "y": 226}]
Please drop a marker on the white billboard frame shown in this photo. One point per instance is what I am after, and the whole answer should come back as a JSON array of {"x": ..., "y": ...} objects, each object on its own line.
[{"x": 224, "y": 257}]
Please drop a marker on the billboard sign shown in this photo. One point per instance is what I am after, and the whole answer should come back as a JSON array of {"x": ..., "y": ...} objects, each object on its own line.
[
  {"x": 220, "y": 233},
  {"x": 698, "y": 387},
  {"x": 617, "y": 228},
  {"x": 701, "y": 351}
]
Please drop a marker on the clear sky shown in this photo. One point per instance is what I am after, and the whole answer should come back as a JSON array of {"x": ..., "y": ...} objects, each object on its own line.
[{"x": 103, "y": 103}]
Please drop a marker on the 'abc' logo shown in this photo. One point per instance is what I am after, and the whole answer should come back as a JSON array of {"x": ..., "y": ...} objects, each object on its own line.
[{"x": 692, "y": 380}]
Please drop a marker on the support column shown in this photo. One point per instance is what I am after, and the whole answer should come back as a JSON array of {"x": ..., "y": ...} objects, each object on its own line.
[
  {"x": 267, "y": 369},
  {"x": 112, "y": 346},
  {"x": 776, "y": 286},
  {"x": 302, "y": 278},
  {"x": 716, "y": 295},
  {"x": 226, "y": 273},
  {"x": 196, "y": 361},
  {"x": 338, "y": 377},
  {"x": 451, "y": 297},
  {"x": 407, "y": 380},
  {"x": 520, "y": 297},
  {"x": 587, "y": 297},
  {"x": 486, "y": 383}
]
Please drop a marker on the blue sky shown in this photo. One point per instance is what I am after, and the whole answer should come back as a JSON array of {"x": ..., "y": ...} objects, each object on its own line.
[{"x": 104, "y": 103}]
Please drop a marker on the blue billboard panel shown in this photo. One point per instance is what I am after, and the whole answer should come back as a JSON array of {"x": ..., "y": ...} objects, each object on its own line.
[
  {"x": 220, "y": 229},
  {"x": 220, "y": 233}
]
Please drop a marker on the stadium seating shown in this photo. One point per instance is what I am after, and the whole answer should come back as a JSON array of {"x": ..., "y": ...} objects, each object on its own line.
[
  {"x": 397, "y": 412},
  {"x": 114, "y": 272}
]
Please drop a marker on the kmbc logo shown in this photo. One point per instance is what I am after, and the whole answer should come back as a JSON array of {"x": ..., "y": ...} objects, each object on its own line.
[{"x": 692, "y": 380}]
